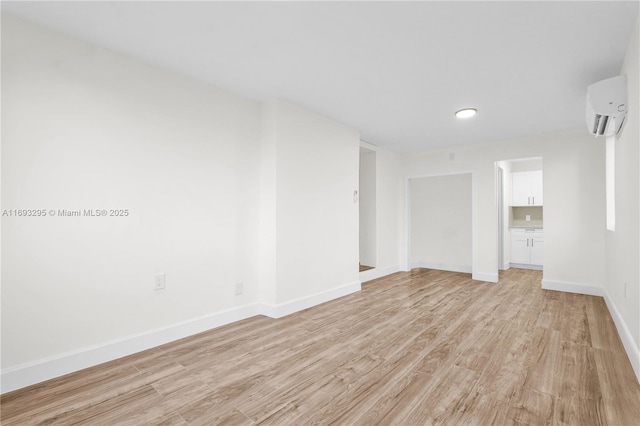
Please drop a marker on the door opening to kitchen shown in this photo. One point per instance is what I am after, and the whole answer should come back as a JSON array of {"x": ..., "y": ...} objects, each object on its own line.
[{"x": 520, "y": 206}]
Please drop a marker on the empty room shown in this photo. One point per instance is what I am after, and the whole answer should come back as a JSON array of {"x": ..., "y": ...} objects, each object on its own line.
[{"x": 292, "y": 213}]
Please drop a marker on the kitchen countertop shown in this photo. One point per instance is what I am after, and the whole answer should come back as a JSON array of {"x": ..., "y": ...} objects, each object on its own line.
[{"x": 516, "y": 223}]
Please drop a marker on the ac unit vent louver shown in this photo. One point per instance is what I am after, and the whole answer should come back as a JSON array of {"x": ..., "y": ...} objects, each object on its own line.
[
  {"x": 600, "y": 125},
  {"x": 607, "y": 106}
]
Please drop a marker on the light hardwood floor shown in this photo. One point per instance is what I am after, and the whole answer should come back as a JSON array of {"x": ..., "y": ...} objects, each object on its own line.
[
  {"x": 365, "y": 268},
  {"x": 425, "y": 347}
]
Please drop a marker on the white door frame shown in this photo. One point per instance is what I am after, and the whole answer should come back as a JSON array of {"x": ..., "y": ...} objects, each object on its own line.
[{"x": 500, "y": 200}]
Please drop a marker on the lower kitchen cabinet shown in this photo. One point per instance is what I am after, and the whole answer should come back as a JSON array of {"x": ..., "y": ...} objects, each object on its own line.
[{"x": 527, "y": 247}]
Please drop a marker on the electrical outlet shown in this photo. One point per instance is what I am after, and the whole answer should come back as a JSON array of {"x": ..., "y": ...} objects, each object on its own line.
[
  {"x": 239, "y": 288},
  {"x": 159, "y": 282}
]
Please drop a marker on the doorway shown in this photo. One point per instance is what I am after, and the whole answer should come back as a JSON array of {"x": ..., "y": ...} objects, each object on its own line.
[
  {"x": 520, "y": 230},
  {"x": 367, "y": 205}
]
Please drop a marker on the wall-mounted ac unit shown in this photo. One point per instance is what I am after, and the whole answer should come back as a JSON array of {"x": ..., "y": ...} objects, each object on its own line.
[{"x": 607, "y": 106}]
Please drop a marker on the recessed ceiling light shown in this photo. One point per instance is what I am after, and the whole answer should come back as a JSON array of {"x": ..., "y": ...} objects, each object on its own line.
[{"x": 466, "y": 113}]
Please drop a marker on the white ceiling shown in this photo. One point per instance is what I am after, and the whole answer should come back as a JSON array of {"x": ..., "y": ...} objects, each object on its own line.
[{"x": 397, "y": 71}]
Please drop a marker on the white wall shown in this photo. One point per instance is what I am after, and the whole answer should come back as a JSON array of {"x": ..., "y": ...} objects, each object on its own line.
[
  {"x": 220, "y": 190},
  {"x": 440, "y": 228},
  {"x": 574, "y": 201},
  {"x": 368, "y": 204},
  {"x": 622, "y": 245},
  {"x": 316, "y": 222},
  {"x": 389, "y": 199},
  {"x": 526, "y": 165},
  {"x": 84, "y": 128},
  {"x": 267, "y": 237}
]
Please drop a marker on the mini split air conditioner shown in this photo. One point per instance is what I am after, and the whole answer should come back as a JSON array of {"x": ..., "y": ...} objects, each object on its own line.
[{"x": 607, "y": 106}]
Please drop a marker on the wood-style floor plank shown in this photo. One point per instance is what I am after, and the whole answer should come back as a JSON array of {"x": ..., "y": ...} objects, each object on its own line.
[{"x": 413, "y": 348}]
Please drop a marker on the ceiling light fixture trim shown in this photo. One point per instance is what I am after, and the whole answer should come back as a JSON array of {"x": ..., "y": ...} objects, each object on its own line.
[{"x": 466, "y": 112}]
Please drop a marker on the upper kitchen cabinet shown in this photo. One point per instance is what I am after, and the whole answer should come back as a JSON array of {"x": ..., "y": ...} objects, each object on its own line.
[{"x": 526, "y": 188}]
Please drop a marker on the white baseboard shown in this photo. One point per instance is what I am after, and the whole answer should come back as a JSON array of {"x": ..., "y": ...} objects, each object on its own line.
[
  {"x": 569, "y": 287},
  {"x": 442, "y": 267},
  {"x": 372, "y": 274},
  {"x": 491, "y": 277},
  {"x": 630, "y": 347},
  {"x": 525, "y": 266},
  {"x": 48, "y": 368},
  {"x": 478, "y": 276},
  {"x": 287, "y": 308}
]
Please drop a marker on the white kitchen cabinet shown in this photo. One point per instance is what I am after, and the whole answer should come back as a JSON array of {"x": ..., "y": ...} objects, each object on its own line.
[
  {"x": 537, "y": 250},
  {"x": 536, "y": 188},
  {"x": 526, "y": 188},
  {"x": 520, "y": 251},
  {"x": 527, "y": 247}
]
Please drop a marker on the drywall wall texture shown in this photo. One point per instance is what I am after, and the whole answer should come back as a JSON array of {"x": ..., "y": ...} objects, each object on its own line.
[
  {"x": 573, "y": 165},
  {"x": 245, "y": 207},
  {"x": 622, "y": 245},
  {"x": 526, "y": 165},
  {"x": 389, "y": 199},
  {"x": 84, "y": 129},
  {"x": 316, "y": 220},
  {"x": 440, "y": 222}
]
